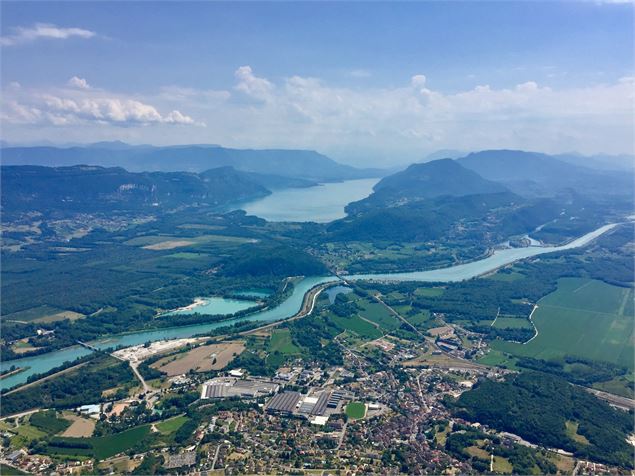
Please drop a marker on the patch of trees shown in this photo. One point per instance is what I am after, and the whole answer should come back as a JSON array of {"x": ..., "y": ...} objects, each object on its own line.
[
  {"x": 575, "y": 369},
  {"x": 76, "y": 388},
  {"x": 308, "y": 334},
  {"x": 279, "y": 261},
  {"x": 536, "y": 406}
]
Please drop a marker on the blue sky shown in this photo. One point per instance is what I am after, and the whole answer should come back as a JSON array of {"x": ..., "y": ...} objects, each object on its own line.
[{"x": 364, "y": 82}]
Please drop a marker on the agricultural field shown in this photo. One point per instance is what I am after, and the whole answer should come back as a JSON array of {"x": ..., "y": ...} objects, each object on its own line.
[
  {"x": 200, "y": 359},
  {"x": 99, "y": 447},
  {"x": 43, "y": 314},
  {"x": 376, "y": 312},
  {"x": 357, "y": 325},
  {"x": 583, "y": 318},
  {"x": 49, "y": 422},
  {"x": 80, "y": 427}
]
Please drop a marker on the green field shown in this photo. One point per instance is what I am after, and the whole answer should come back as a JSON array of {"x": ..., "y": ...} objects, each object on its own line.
[
  {"x": 170, "y": 426},
  {"x": 100, "y": 447},
  {"x": 280, "y": 341},
  {"x": 376, "y": 312},
  {"x": 583, "y": 318},
  {"x": 357, "y": 325},
  {"x": 356, "y": 410},
  {"x": 49, "y": 422}
]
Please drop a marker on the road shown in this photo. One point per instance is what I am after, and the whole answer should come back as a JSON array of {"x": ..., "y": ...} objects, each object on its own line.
[
  {"x": 622, "y": 402},
  {"x": 20, "y": 415},
  {"x": 308, "y": 305}
]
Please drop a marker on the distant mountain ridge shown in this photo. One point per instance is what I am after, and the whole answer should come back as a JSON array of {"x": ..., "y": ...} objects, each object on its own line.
[
  {"x": 443, "y": 177},
  {"x": 89, "y": 189},
  {"x": 537, "y": 174},
  {"x": 300, "y": 164}
]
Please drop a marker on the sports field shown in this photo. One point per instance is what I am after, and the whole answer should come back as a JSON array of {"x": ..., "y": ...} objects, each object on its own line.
[
  {"x": 584, "y": 318},
  {"x": 356, "y": 410}
]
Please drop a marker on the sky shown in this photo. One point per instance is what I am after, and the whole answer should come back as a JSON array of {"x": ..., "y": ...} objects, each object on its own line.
[{"x": 367, "y": 83}]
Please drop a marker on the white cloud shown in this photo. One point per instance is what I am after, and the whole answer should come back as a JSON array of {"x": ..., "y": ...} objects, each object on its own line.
[
  {"x": 379, "y": 125},
  {"x": 44, "y": 31},
  {"x": 82, "y": 105},
  {"x": 77, "y": 82},
  {"x": 248, "y": 83}
]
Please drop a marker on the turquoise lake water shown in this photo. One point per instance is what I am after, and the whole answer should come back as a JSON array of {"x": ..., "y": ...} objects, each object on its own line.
[{"x": 215, "y": 306}]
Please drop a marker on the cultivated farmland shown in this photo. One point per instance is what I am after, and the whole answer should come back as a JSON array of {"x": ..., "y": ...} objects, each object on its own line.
[{"x": 584, "y": 318}]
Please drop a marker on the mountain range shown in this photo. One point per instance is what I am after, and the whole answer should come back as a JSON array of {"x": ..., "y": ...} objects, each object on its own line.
[
  {"x": 299, "y": 164},
  {"x": 89, "y": 189}
]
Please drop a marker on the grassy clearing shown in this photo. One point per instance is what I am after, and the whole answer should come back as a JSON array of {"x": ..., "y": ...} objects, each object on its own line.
[
  {"x": 170, "y": 426},
  {"x": 356, "y": 410},
  {"x": 441, "y": 436},
  {"x": 280, "y": 341},
  {"x": 477, "y": 452},
  {"x": 572, "y": 432},
  {"x": 502, "y": 465},
  {"x": 584, "y": 318}
]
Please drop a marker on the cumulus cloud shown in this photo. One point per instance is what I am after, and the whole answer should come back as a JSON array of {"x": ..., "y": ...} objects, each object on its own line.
[
  {"x": 382, "y": 125},
  {"x": 80, "y": 104},
  {"x": 251, "y": 85},
  {"x": 43, "y": 31},
  {"x": 77, "y": 82}
]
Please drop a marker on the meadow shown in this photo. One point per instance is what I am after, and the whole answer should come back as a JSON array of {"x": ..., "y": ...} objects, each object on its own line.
[{"x": 584, "y": 318}]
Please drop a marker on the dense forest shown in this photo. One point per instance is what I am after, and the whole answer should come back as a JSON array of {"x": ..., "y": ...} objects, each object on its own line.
[{"x": 538, "y": 407}]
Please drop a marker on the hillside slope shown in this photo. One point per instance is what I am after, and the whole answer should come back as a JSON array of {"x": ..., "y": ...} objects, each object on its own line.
[{"x": 90, "y": 188}]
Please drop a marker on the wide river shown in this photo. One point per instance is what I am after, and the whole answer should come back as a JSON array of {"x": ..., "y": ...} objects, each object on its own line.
[{"x": 291, "y": 305}]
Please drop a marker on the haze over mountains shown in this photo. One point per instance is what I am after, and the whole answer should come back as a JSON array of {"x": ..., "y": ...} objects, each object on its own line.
[
  {"x": 302, "y": 164},
  {"x": 255, "y": 173}
]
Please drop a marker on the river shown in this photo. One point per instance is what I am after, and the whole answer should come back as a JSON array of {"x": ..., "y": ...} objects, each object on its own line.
[{"x": 291, "y": 305}]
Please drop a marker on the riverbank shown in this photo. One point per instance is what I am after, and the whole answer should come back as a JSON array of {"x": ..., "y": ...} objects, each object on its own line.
[{"x": 12, "y": 372}]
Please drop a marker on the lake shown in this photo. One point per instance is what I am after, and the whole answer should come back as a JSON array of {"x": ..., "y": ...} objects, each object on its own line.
[
  {"x": 213, "y": 306},
  {"x": 292, "y": 305},
  {"x": 322, "y": 203}
]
